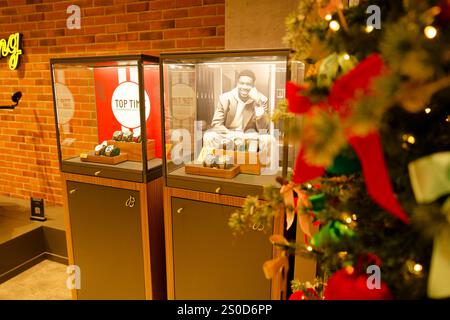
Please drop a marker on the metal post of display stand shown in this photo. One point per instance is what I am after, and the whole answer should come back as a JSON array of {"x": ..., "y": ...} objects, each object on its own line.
[{"x": 15, "y": 98}]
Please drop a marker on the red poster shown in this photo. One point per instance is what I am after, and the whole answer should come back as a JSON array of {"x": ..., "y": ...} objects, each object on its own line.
[{"x": 117, "y": 101}]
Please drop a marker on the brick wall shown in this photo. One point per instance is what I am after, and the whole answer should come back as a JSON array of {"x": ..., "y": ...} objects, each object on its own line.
[{"x": 28, "y": 152}]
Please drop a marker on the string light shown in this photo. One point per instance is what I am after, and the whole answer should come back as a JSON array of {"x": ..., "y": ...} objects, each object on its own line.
[
  {"x": 342, "y": 254},
  {"x": 427, "y": 110},
  {"x": 354, "y": 217},
  {"x": 418, "y": 267},
  {"x": 349, "y": 269},
  {"x": 414, "y": 267},
  {"x": 309, "y": 248},
  {"x": 430, "y": 32},
  {"x": 309, "y": 185},
  {"x": 346, "y": 56},
  {"x": 409, "y": 138},
  {"x": 334, "y": 25},
  {"x": 369, "y": 29},
  {"x": 328, "y": 17},
  {"x": 448, "y": 119},
  {"x": 348, "y": 220}
]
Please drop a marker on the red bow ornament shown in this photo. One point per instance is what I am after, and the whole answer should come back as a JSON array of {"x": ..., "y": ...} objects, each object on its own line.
[{"x": 368, "y": 148}]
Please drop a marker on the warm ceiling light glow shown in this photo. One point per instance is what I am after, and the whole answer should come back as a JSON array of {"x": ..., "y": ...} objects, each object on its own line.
[
  {"x": 334, "y": 25},
  {"x": 430, "y": 32}
]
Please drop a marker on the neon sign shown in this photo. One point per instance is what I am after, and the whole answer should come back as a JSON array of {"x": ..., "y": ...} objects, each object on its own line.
[{"x": 12, "y": 48}]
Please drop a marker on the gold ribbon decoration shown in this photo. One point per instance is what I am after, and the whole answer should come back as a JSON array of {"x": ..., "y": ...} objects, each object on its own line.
[{"x": 430, "y": 180}]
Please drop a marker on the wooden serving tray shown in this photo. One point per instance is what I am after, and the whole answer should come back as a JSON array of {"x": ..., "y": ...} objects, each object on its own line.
[
  {"x": 243, "y": 159},
  {"x": 90, "y": 157},
  {"x": 199, "y": 169},
  {"x": 134, "y": 150}
]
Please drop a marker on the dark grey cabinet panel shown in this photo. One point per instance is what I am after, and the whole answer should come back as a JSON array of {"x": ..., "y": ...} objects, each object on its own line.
[
  {"x": 209, "y": 262},
  {"x": 107, "y": 241}
]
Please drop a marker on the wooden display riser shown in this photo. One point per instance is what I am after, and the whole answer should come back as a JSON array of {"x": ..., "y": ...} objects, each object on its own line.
[
  {"x": 199, "y": 169},
  {"x": 134, "y": 150},
  {"x": 90, "y": 157},
  {"x": 248, "y": 161}
]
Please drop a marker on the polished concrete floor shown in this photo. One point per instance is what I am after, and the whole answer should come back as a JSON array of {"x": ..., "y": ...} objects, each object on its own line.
[{"x": 44, "y": 281}]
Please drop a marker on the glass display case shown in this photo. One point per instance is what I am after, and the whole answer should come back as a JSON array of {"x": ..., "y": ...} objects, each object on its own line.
[
  {"x": 108, "y": 124},
  {"x": 102, "y": 129},
  {"x": 217, "y": 119},
  {"x": 220, "y": 145}
]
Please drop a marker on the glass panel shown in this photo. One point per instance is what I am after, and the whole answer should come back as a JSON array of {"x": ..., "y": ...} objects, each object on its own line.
[
  {"x": 99, "y": 116},
  {"x": 218, "y": 108}
]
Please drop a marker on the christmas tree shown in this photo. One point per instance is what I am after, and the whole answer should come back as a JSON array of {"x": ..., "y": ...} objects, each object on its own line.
[{"x": 371, "y": 183}]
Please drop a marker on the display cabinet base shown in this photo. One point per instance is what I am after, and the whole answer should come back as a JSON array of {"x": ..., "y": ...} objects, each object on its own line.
[
  {"x": 104, "y": 159},
  {"x": 134, "y": 150},
  {"x": 248, "y": 161},
  {"x": 199, "y": 169}
]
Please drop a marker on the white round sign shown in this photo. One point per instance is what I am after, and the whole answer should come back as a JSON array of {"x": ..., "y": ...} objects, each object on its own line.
[
  {"x": 125, "y": 104},
  {"x": 64, "y": 102}
]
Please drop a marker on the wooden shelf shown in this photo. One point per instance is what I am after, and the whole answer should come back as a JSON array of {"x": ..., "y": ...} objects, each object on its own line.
[{"x": 89, "y": 157}]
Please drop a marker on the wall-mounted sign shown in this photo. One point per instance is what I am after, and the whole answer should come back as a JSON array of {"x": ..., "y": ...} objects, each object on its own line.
[
  {"x": 11, "y": 47},
  {"x": 117, "y": 102}
]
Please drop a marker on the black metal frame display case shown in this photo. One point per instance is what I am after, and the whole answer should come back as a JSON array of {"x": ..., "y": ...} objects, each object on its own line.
[{"x": 85, "y": 117}]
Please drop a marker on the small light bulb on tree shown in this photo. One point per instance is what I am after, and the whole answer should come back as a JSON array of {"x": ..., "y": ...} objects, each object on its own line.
[
  {"x": 328, "y": 17},
  {"x": 427, "y": 110},
  {"x": 430, "y": 32},
  {"x": 309, "y": 248},
  {"x": 409, "y": 138},
  {"x": 369, "y": 29},
  {"x": 334, "y": 25},
  {"x": 418, "y": 267},
  {"x": 346, "y": 56}
]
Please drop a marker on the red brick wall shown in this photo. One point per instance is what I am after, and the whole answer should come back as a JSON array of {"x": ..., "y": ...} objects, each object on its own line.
[{"x": 28, "y": 152}]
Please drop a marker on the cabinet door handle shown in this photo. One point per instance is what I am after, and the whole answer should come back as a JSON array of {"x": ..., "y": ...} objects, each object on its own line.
[
  {"x": 97, "y": 172},
  {"x": 73, "y": 191},
  {"x": 180, "y": 210},
  {"x": 218, "y": 189}
]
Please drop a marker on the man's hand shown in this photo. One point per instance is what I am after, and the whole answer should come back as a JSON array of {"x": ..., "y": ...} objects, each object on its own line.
[{"x": 254, "y": 94}]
